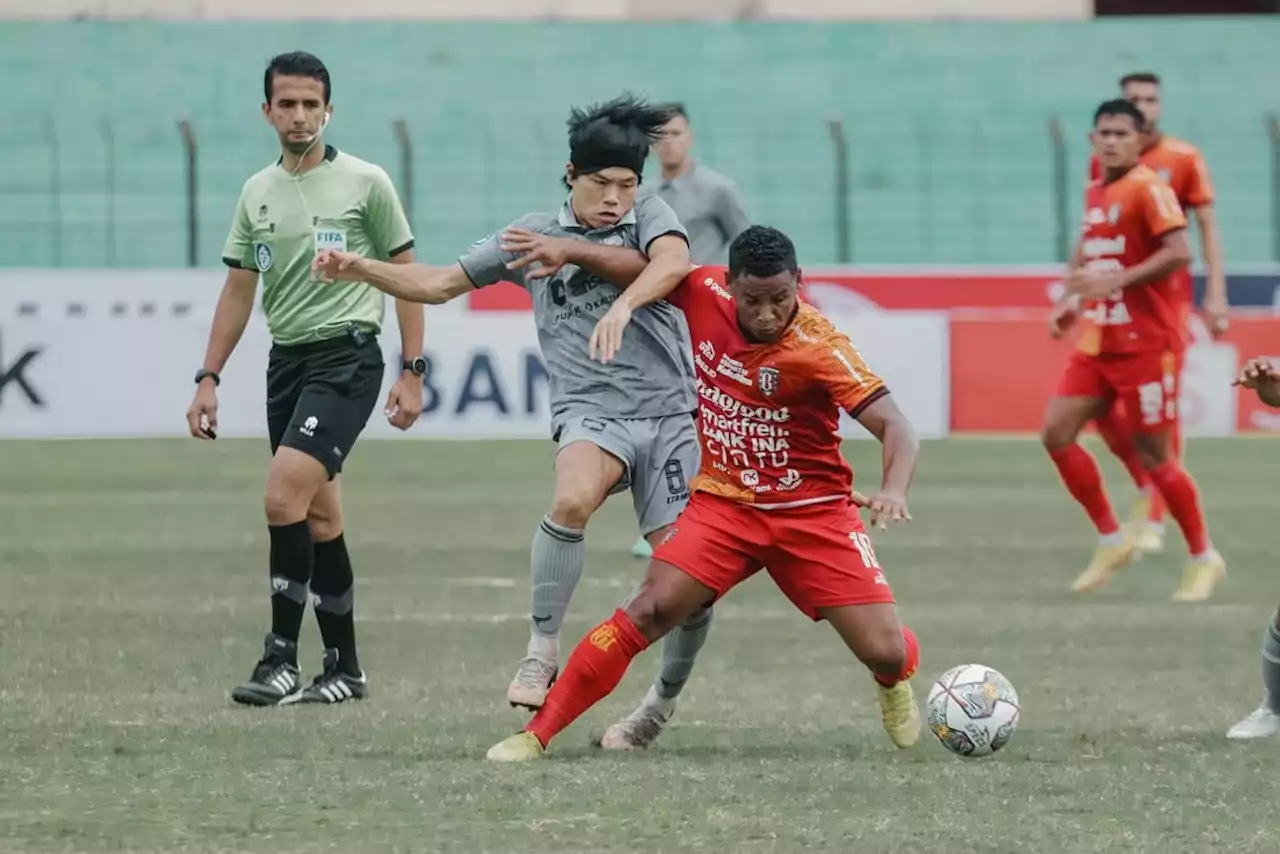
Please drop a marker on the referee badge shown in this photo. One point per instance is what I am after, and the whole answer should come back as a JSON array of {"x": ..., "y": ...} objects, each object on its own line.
[{"x": 262, "y": 252}]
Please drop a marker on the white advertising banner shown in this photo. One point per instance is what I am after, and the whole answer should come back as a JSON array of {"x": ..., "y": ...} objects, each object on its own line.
[{"x": 113, "y": 354}]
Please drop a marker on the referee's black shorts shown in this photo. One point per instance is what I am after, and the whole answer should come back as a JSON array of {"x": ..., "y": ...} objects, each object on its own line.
[{"x": 320, "y": 395}]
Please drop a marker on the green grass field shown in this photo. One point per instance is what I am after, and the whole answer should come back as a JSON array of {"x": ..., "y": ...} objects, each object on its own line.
[{"x": 133, "y": 598}]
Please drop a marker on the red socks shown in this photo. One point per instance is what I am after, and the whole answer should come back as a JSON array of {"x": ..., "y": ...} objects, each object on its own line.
[
  {"x": 1158, "y": 506},
  {"x": 595, "y": 667},
  {"x": 1079, "y": 471},
  {"x": 910, "y": 661},
  {"x": 1179, "y": 492}
]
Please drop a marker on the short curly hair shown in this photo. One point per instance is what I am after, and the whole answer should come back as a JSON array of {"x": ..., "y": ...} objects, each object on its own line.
[{"x": 762, "y": 251}]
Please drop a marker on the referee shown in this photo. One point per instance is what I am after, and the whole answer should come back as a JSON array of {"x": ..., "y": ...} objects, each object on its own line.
[
  {"x": 325, "y": 369},
  {"x": 707, "y": 204}
]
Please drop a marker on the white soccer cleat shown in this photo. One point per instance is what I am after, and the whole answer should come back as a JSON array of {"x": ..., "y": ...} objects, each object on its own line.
[
  {"x": 1261, "y": 723},
  {"x": 534, "y": 678},
  {"x": 641, "y": 728}
]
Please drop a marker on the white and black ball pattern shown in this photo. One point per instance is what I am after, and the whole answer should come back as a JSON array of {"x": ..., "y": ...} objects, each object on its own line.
[{"x": 973, "y": 710}]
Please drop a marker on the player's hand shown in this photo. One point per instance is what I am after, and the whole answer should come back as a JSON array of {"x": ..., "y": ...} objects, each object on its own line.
[
  {"x": 332, "y": 266},
  {"x": 885, "y": 507},
  {"x": 1216, "y": 315},
  {"x": 1258, "y": 373},
  {"x": 202, "y": 415},
  {"x": 404, "y": 403},
  {"x": 1092, "y": 284},
  {"x": 550, "y": 253},
  {"x": 1063, "y": 317},
  {"x": 606, "y": 339}
]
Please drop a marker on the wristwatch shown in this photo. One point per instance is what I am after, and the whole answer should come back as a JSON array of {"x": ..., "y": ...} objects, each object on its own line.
[
  {"x": 202, "y": 374},
  {"x": 418, "y": 366}
]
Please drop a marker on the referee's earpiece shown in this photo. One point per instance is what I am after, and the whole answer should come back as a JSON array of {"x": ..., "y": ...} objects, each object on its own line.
[{"x": 325, "y": 122}]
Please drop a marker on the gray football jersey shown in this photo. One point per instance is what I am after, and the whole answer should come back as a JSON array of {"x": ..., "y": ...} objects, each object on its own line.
[{"x": 652, "y": 375}]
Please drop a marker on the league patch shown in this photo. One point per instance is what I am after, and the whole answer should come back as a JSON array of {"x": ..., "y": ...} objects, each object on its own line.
[{"x": 262, "y": 253}]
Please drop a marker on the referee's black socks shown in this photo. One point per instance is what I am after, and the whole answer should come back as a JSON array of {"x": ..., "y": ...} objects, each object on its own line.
[
  {"x": 333, "y": 588},
  {"x": 291, "y": 561}
]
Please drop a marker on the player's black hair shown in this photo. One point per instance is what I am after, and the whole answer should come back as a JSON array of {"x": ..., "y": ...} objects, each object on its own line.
[
  {"x": 617, "y": 133},
  {"x": 1121, "y": 107},
  {"x": 1140, "y": 77},
  {"x": 673, "y": 109},
  {"x": 762, "y": 251},
  {"x": 296, "y": 63}
]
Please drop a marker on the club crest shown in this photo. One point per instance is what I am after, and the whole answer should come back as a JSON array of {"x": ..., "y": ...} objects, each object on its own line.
[{"x": 767, "y": 381}]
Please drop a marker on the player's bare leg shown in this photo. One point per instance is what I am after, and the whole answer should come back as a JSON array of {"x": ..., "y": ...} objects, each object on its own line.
[
  {"x": 1206, "y": 567},
  {"x": 584, "y": 475},
  {"x": 1264, "y": 721},
  {"x": 292, "y": 483},
  {"x": 1065, "y": 418},
  {"x": 889, "y": 650},
  {"x": 666, "y": 598},
  {"x": 680, "y": 648},
  {"x": 1113, "y": 427}
]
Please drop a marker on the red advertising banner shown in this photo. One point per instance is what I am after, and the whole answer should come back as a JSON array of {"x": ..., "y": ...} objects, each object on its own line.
[{"x": 1005, "y": 367}]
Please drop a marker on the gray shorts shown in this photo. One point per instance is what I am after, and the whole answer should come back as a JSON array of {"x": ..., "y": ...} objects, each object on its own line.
[{"x": 659, "y": 457}]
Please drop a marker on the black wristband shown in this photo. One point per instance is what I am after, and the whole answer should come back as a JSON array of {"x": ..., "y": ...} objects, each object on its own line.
[{"x": 202, "y": 374}]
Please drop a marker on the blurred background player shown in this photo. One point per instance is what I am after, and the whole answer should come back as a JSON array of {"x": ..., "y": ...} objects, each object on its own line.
[
  {"x": 707, "y": 204},
  {"x": 1263, "y": 377},
  {"x": 325, "y": 370},
  {"x": 1133, "y": 241},
  {"x": 763, "y": 359},
  {"x": 1180, "y": 165},
  {"x": 627, "y": 424}
]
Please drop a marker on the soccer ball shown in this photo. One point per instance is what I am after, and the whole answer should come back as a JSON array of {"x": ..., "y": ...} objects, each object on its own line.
[{"x": 973, "y": 710}]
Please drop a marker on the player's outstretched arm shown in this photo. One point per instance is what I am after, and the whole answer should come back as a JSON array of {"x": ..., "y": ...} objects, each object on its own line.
[
  {"x": 412, "y": 282},
  {"x": 235, "y": 307},
  {"x": 614, "y": 264},
  {"x": 883, "y": 419},
  {"x": 667, "y": 267}
]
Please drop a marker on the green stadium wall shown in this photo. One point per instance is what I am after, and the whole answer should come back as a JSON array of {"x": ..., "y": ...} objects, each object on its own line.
[{"x": 951, "y": 160}]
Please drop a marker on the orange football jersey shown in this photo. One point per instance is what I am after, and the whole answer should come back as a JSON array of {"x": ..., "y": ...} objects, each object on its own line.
[
  {"x": 769, "y": 414},
  {"x": 1124, "y": 223}
]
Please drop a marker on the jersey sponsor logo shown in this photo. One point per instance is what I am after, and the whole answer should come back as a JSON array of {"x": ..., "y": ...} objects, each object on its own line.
[
  {"x": 1097, "y": 216},
  {"x": 262, "y": 254},
  {"x": 717, "y": 289},
  {"x": 732, "y": 368},
  {"x": 767, "y": 380},
  {"x": 707, "y": 350},
  {"x": 1096, "y": 247},
  {"x": 309, "y": 426},
  {"x": 734, "y": 408},
  {"x": 790, "y": 481},
  {"x": 750, "y": 477}
]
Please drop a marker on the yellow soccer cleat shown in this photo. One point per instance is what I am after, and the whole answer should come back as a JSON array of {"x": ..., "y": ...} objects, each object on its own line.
[
  {"x": 900, "y": 713},
  {"x": 521, "y": 747},
  {"x": 1200, "y": 577},
  {"x": 1106, "y": 560}
]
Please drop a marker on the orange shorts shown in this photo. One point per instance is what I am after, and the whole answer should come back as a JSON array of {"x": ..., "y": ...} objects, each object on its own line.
[
  {"x": 819, "y": 556},
  {"x": 1145, "y": 386}
]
